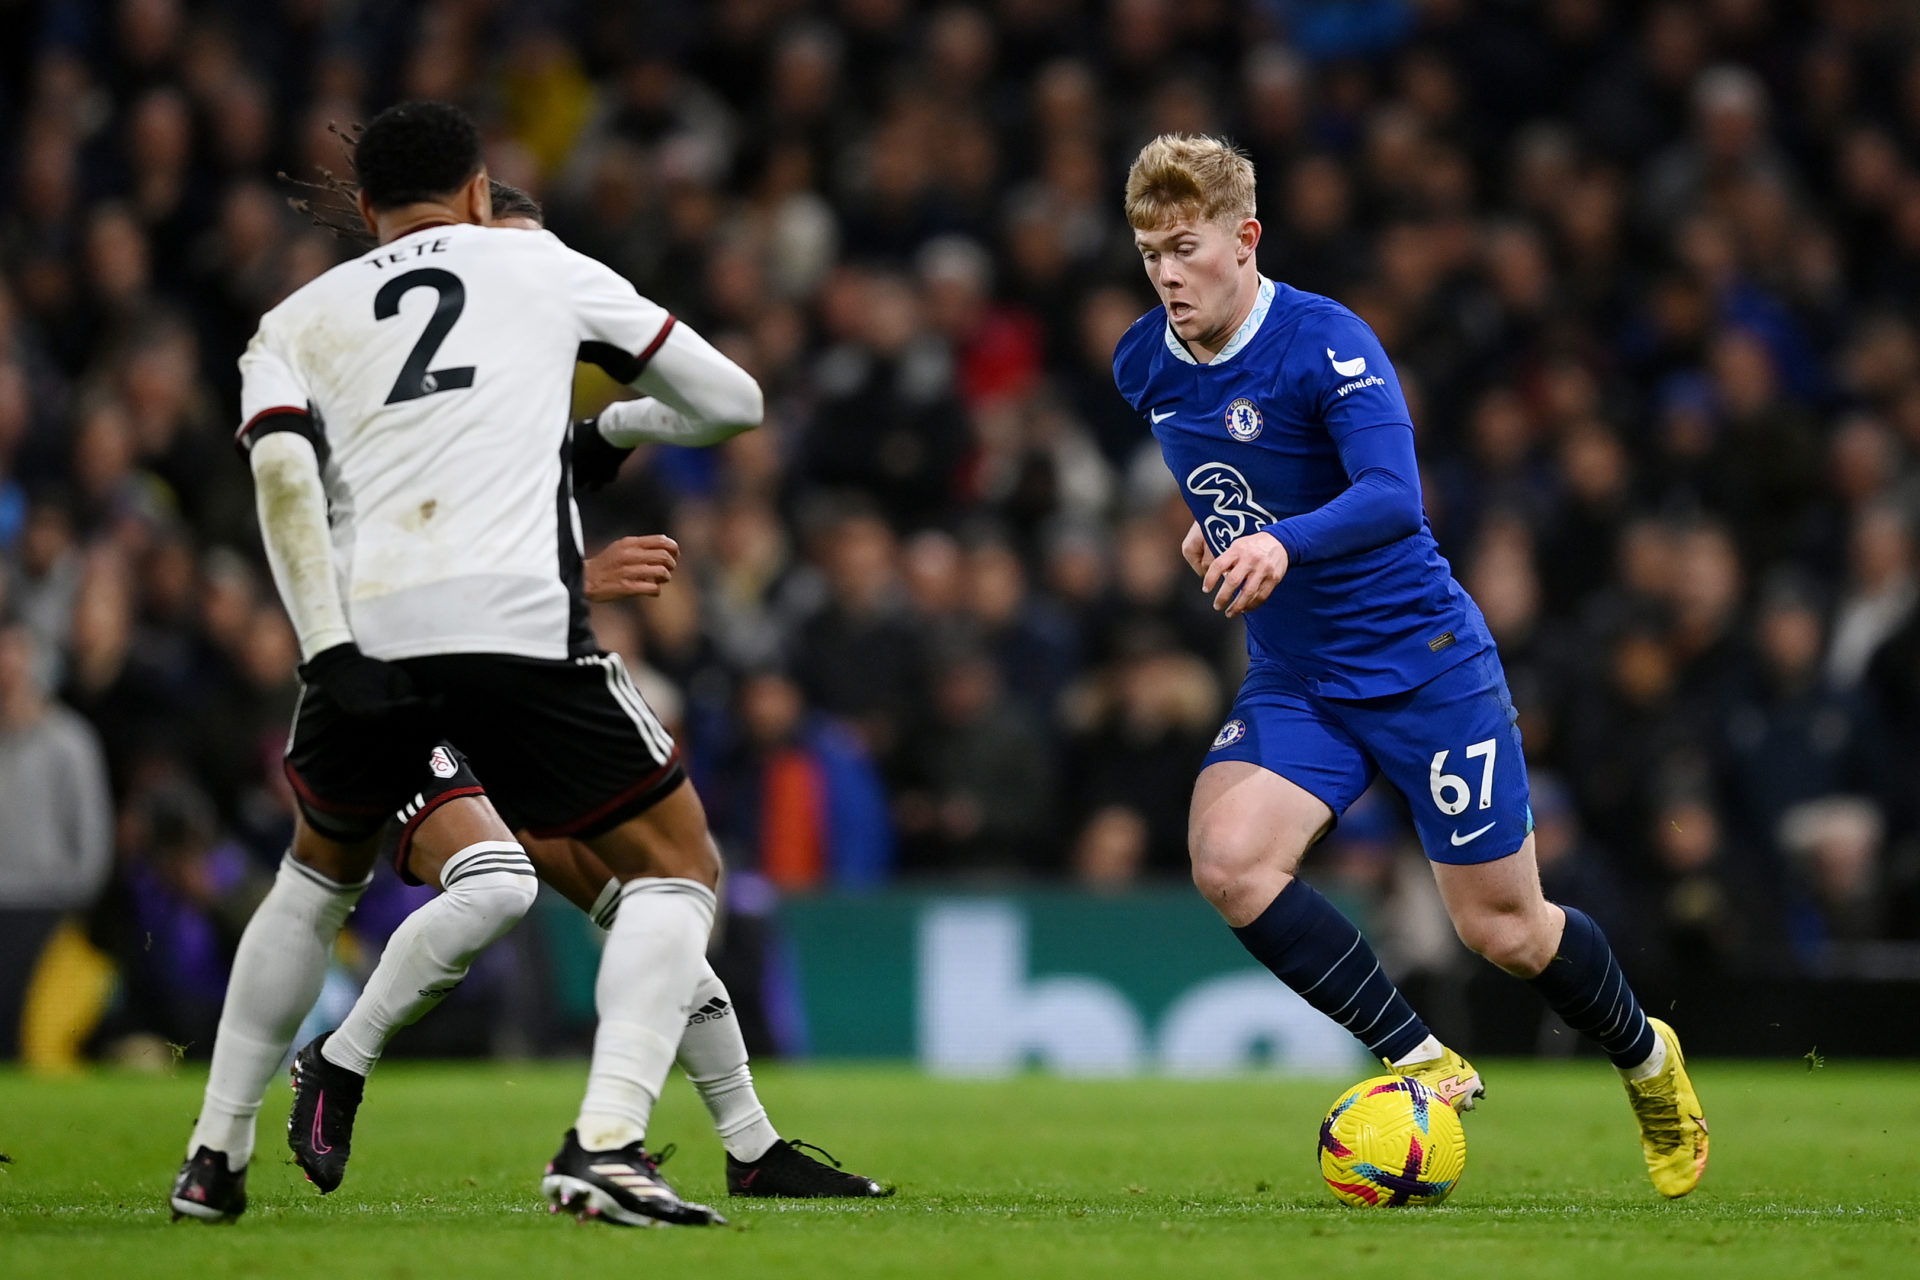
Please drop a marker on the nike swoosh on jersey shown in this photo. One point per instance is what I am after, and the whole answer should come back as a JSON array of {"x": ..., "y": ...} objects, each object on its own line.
[
  {"x": 1159, "y": 417},
  {"x": 1459, "y": 839},
  {"x": 1348, "y": 368}
]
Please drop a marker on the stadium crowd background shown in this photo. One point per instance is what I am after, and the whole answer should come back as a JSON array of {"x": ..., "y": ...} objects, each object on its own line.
[{"x": 1650, "y": 274}]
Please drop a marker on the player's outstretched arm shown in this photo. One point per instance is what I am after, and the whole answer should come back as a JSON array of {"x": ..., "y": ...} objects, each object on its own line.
[
  {"x": 698, "y": 397},
  {"x": 693, "y": 395}
]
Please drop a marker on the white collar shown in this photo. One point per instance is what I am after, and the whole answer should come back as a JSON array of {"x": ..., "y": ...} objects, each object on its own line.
[{"x": 1242, "y": 336}]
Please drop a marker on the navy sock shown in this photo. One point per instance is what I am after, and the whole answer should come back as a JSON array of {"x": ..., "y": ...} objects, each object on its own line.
[
  {"x": 1317, "y": 951},
  {"x": 1585, "y": 986}
]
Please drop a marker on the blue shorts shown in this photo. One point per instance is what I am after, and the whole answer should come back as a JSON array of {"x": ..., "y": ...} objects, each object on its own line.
[{"x": 1450, "y": 746}]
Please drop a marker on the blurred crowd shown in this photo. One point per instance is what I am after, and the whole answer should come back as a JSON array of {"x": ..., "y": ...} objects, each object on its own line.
[{"x": 1650, "y": 273}]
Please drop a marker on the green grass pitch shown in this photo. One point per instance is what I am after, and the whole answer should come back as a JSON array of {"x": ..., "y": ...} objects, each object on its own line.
[{"x": 1815, "y": 1172}]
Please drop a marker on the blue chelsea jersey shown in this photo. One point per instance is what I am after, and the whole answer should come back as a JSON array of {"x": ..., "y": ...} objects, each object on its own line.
[{"x": 1255, "y": 437}]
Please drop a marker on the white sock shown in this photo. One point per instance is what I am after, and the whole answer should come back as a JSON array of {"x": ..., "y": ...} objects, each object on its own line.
[
  {"x": 277, "y": 972},
  {"x": 1651, "y": 1067},
  {"x": 713, "y": 1053},
  {"x": 1426, "y": 1051},
  {"x": 653, "y": 958},
  {"x": 488, "y": 887}
]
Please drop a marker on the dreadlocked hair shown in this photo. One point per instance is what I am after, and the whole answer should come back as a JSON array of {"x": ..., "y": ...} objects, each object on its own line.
[{"x": 332, "y": 204}]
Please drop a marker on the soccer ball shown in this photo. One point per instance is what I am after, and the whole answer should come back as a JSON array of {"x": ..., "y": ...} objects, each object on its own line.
[{"x": 1390, "y": 1141}]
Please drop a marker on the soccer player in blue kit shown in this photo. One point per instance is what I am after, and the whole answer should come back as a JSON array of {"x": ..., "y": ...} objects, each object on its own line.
[{"x": 1280, "y": 415}]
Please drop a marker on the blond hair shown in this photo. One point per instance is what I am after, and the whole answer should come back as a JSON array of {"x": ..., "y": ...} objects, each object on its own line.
[{"x": 1178, "y": 176}]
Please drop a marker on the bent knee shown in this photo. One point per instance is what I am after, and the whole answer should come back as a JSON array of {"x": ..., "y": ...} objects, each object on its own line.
[
  {"x": 1214, "y": 880},
  {"x": 1237, "y": 870},
  {"x": 500, "y": 884},
  {"x": 1222, "y": 855},
  {"x": 1516, "y": 942},
  {"x": 511, "y": 894}
]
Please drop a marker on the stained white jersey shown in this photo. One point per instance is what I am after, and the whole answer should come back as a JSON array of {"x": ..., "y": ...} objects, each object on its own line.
[{"x": 438, "y": 372}]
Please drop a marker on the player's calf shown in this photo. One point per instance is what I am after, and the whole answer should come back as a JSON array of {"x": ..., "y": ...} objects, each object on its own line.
[
  {"x": 487, "y": 887},
  {"x": 1584, "y": 984},
  {"x": 1248, "y": 831},
  {"x": 1319, "y": 953},
  {"x": 448, "y": 836},
  {"x": 277, "y": 973},
  {"x": 1498, "y": 910},
  {"x": 652, "y": 962},
  {"x": 713, "y": 1053}
]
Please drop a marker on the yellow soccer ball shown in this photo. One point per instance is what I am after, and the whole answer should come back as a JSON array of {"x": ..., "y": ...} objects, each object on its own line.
[{"x": 1390, "y": 1141}]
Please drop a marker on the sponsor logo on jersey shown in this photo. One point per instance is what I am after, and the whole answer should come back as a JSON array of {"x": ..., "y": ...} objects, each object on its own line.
[
  {"x": 1230, "y": 732},
  {"x": 1243, "y": 420},
  {"x": 1235, "y": 513},
  {"x": 441, "y": 763},
  {"x": 1348, "y": 388},
  {"x": 1347, "y": 368}
]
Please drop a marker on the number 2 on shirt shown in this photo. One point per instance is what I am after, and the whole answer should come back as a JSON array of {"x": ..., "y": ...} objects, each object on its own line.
[{"x": 415, "y": 378}]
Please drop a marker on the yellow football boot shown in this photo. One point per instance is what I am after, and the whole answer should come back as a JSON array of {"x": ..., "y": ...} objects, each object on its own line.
[
  {"x": 1449, "y": 1075},
  {"x": 1673, "y": 1130}
]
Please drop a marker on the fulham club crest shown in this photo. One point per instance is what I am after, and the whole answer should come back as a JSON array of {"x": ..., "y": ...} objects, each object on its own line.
[{"x": 1243, "y": 420}]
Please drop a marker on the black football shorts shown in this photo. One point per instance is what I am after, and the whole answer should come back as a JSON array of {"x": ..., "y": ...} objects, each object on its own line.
[{"x": 563, "y": 747}]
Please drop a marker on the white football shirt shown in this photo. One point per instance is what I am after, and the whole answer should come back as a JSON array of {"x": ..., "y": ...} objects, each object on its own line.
[{"x": 438, "y": 370}]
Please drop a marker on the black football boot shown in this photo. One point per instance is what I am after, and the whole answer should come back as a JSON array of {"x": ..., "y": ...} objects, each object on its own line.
[
  {"x": 206, "y": 1189},
  {"x": 320, "y": 1126},
  {"x": 622, "y": 1186},
  {"x": 785, "y": 1170}
]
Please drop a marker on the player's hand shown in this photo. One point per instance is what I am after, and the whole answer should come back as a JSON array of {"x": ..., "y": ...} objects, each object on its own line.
[
  {"x": 362, "y": 687},
  {"x": 1246, "y": 573},
  {"x": 1195, "y": 549},
  {"x": 636, "y": 566}
]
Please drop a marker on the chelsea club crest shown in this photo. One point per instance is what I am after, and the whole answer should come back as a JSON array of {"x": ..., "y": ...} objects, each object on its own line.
[
  {"x": 1230, "y": 732},
  {"x": 1243, "y": 420}
]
